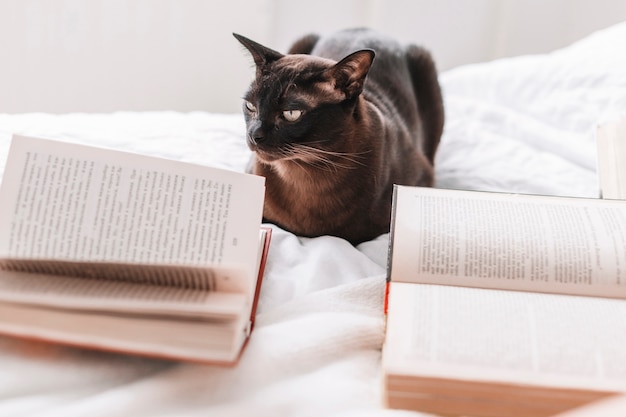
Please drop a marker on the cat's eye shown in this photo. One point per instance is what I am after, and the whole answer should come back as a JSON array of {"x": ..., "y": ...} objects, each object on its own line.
[
  {"x": 292, "y": 115},
  {"x": 250, "y": 107}
]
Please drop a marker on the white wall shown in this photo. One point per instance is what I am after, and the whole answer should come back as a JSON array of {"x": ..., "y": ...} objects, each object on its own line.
[{"x": 108, "y": 55}]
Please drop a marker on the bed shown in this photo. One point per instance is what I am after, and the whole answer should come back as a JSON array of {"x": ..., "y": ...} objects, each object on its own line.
[{"x": 524, "y": 124}]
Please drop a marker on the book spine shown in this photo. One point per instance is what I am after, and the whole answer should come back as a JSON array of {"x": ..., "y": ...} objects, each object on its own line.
[
  {"x": 391, "y": 230},
  {"x": 260, "y": 276},
  {"x": 390, "y": 247},
  {"x": 386, "y": 302}
]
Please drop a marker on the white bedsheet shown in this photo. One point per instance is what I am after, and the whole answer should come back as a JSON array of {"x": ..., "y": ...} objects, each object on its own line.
[{"x": 524, "y": 124}]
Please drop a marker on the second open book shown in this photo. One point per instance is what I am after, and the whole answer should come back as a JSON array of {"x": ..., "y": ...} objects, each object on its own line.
[
  {"x": 127, "y": 252},
  {"x": 542, "y": 330}
]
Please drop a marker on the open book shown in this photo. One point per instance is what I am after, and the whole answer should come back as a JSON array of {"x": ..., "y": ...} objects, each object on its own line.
[
  {"x": 131, "y": 253},
  {"x": 502, "y": 304},
  {"x": 611, "y": 142}
]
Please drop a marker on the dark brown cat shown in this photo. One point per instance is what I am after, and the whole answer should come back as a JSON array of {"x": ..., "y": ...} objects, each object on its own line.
[{"x": 332, "y": 130}]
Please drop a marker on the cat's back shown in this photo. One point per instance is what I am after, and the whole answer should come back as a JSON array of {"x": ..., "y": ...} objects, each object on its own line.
[
  {"x": 339, "y": 44},
  {"x": 390, "y": 61}
]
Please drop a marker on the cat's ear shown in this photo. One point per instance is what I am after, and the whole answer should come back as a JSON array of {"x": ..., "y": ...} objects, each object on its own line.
[
  {"x": 349, "y": 73},
  {"x": 262, "y": 55}
]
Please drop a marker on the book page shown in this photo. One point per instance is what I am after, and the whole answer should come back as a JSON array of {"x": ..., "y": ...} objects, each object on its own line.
[
  {"x": 113, "y": 297},
  {"x": 494, "y": 335},
  {"x": 71, "y": 202},
  {"x": 506, "y": 241},
  {"x": 147, "y": 335},
  {"x": 611, "y": 142}
]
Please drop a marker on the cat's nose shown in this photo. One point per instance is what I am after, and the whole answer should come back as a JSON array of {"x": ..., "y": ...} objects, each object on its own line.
[
  {"x": 255, "y": 136},
  {"x": 256, "y": 139}
]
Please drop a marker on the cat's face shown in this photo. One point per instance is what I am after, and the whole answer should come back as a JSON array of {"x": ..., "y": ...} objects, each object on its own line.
[
  {"x": 300, "y": 105},
  {"x": 291, "y": 107}
]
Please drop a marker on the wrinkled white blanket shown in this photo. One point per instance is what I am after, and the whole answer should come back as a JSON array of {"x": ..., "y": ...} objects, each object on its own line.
[{"x": 523, "y": 124}]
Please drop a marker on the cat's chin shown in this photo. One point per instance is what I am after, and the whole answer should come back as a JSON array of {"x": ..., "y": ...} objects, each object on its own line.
[{"x": 266, "y": 157}]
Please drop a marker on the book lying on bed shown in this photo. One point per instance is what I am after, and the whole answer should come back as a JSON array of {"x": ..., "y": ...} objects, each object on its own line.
[
  {"x": 502, "y": 304},
  {"x": 611, "y": 142},
  {"x": 125, "y": 252}
]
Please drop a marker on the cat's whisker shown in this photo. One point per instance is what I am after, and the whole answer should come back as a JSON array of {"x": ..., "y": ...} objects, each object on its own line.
[
  {"x": 303, "y": 160},
  {"x": 290, "y": 154},
  {"x": 312, "y": 155},
  {"x": 313, "y": 144},
  {"x": 353, "y": 155},
  {"x": 316, "y": 144}
]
